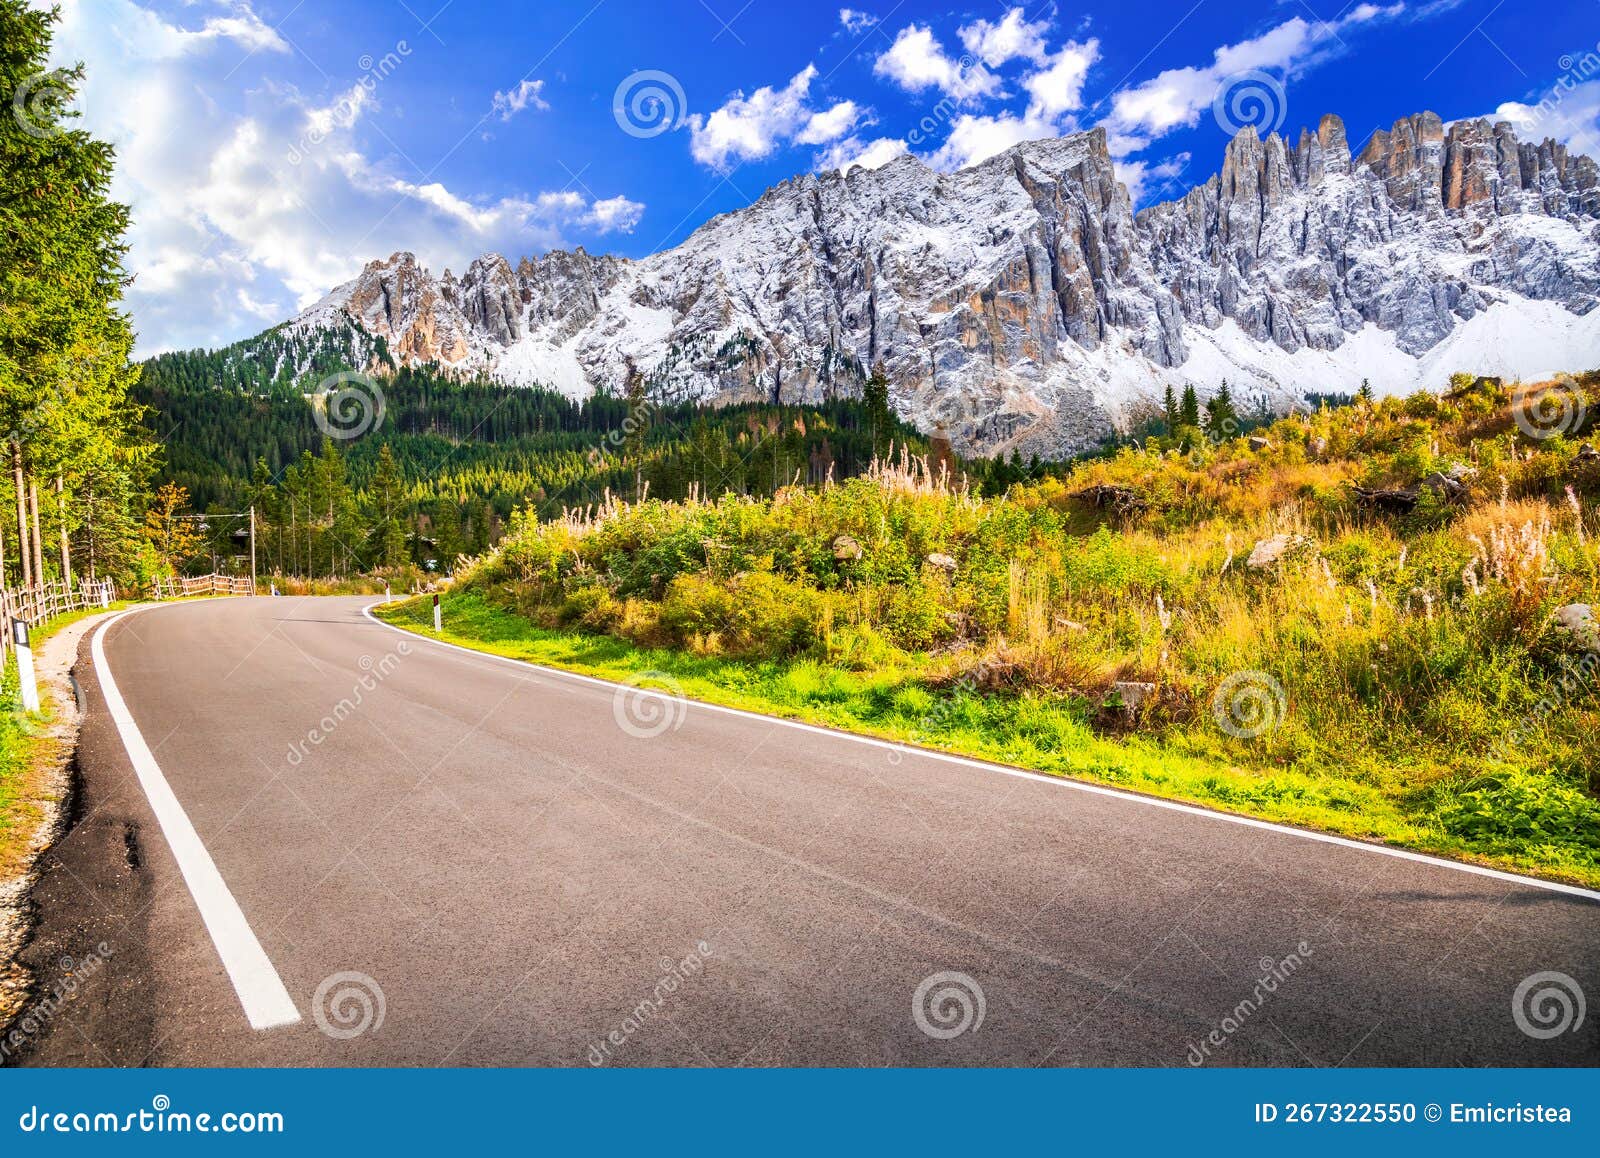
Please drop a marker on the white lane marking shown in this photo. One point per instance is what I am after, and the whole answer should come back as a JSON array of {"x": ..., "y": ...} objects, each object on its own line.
[
  {"x": 261, "y": 991},
  {"x": 1058, "y": 781}
]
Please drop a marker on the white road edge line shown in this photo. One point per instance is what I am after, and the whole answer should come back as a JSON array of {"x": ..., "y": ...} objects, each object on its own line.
[
  {"x": 1058, "y": 781},
  {"x": 266, "y": 1002}
]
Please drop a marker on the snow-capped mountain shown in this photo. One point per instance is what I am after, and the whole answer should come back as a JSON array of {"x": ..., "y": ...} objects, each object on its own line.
[{"x": 1022, "y": 303}]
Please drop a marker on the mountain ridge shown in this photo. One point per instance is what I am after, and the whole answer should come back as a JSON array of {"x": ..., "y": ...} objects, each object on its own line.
[{"x": 1021, "y": 303}]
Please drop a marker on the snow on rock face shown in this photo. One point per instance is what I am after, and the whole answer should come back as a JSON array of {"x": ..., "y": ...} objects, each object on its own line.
[{"x": 1020, "y": 303}]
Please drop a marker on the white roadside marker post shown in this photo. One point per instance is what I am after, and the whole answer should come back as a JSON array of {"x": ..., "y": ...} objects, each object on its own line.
[
  {"x": 30, "y": 689},
  {"x": 386, "y": 593},
  {"x": 437, "y": 623}
]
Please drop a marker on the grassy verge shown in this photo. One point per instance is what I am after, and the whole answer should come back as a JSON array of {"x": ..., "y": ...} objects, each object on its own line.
[
  {"x": 1028, "y": 730},
  {"x": 27, "y": 751}
]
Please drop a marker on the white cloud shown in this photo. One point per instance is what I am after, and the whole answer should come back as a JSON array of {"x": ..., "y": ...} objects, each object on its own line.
[
  {"x": 1058, "y": 87},
  {"x": 527, "y": 94},
  {"x": 974, "y": 139},
  {"x": 856, "y": 22},
  {"x": 748, "y": 128},
  {"x": 1177, "y": 97},
  {"x": 243, "y": 27},
  {"x": 829, "y": 125},
  {"x": 251, "y": 199},
  {"x": 1009, "y": 38},
  {"x": 851, "y": 153},
  {"x": 1053, "y": 83},
  {"x": 916, "y": 61},
  {"x": 1568, "y": 112}
]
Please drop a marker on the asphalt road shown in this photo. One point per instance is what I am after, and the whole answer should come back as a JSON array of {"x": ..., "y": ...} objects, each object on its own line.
[{"x": 492, "y": 869}]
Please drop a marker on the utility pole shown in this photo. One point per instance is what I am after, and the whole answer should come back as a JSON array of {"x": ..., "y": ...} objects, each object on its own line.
[{"x": 252, "y": 549}]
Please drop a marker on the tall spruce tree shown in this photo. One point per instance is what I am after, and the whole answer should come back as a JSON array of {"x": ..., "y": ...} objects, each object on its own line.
[
  {"x": 875, "y": 395},
  {"x": 1189, "y": 411},
  {"x": 64, "y": 343}
]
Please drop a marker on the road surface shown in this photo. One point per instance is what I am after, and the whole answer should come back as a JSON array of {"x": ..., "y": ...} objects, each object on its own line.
[{"x": 359, "y": 847}]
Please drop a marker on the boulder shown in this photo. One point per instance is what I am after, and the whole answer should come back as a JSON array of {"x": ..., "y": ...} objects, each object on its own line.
[
  {"x": 1270, "y": 552},
  {"x": 1258, "y": 443},
  {"x": 846, "y": 549},
  {"x": 943, "y": 562},
  {"x": 1577, "y": 621}
]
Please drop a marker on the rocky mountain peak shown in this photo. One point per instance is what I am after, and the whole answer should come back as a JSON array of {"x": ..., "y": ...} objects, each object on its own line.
[{"x": 1021, "y": 303}]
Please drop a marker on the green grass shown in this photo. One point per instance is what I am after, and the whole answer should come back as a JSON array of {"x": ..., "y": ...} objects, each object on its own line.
[
  {"x": 24, "y": 750},
  {"x": 1420, "y": 690},
  {"x": 906, "y": 699}
]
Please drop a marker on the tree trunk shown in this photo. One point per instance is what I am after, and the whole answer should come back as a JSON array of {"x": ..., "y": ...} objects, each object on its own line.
[
  {"x": 66, "y": 548},
  {"x": 88, "y": 532},
  {"x": 22, "y": 515},
  {"x": 38, "y": 546}
]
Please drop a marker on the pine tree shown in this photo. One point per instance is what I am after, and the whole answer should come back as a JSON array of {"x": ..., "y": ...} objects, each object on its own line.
[
  {"x": 1365, "y": 394},
  {"x": 1189, "y": 413},
  {"x": 1222, "y": 421},
  {"x": 387, "y": 492},
  {"x": 1169, "y": 409},
  {"x": 64, "y": 345},
  {"x": 875, "y": 396}
]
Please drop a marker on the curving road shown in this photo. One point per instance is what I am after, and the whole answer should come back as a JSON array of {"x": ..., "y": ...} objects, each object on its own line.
[{"x": 305, "y": 838}]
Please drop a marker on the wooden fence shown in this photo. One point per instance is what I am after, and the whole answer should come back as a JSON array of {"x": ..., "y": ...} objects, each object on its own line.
[
  {"x": 40, "y": 604},
  {"x": 201, "y": 585}
]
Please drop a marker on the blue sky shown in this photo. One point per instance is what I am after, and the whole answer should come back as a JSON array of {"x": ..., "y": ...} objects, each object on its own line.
[{"x": 269, "y": 148}]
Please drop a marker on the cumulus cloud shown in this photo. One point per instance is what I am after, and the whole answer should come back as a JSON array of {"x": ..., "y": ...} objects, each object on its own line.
[
  {"x": 1053, "y": 83},
  {"x": 916, "y": 61},
  {"x": 748, "y": 128},
  {"x": 250, "y": 198},
  {"x": 1055, "y": 92},
  {"x": 527, "y": 94},
  {"x": 1009, "y": 38},
  {"x": 855, "y": 22},
  {"x": 852, "y": 153},
  {"x": 1568, "y": 112},
  {"x": 1177, "y": 97}
]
